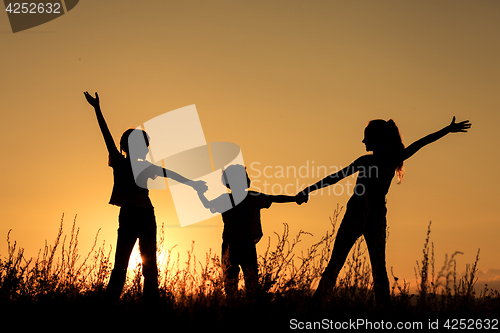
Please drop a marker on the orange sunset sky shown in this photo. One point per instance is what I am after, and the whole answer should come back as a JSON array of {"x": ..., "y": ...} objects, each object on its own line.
[{"x": 293, "y": 83}]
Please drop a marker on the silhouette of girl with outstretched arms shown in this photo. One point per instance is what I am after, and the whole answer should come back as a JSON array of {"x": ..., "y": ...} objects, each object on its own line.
[
  {"x": 366, "y": 209},
  {"x": 130, "y": 193}
]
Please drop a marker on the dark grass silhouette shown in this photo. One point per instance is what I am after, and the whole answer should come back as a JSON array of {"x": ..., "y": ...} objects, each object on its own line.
[{"x": 61, "y": 287}]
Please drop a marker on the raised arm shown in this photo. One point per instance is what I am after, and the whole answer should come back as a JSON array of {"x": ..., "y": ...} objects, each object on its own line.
[
  {"x": 108, "y": 138},
  {"x": 453, "y": 127}
]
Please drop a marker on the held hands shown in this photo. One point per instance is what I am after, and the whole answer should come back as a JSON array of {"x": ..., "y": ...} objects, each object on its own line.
[
  {"x": 200, "y": 186},
  {"x": 92, "y": 101},
  {"x": 462, "y": 126},
  {"x": 301, "y": 198}
]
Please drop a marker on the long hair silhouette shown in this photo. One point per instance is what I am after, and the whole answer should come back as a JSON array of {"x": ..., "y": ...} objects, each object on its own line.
[{"x": 391, "y": 141}]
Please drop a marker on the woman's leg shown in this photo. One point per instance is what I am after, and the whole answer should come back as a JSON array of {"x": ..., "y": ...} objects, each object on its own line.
[
  {"x": 349, "y": 231},
  {"x": 375, "y": 237}
]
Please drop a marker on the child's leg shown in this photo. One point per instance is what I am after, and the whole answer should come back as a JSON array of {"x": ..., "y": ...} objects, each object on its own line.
[
  {"x": 375, "y": 236},
  {"x": 147, "y": 246},
  {"x": 124, "y": 245},
  {"x": 230, "y": 269},
  {"x": 249, "y": 266},
  {"x": 349, "y": 231}
]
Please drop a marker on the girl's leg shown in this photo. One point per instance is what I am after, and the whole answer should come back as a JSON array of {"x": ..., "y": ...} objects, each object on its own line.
[
  {"x": 147, "y": 246},
  {"x": 349, "y": 231},
  {"x": 124, "y": 245},
  {"x": 375, "y": 237}
]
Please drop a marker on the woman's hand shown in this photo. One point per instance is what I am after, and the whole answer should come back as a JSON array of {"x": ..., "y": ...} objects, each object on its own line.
[
  {"x": 92, "y": 101},
  {"x": 462, "y": 126}
]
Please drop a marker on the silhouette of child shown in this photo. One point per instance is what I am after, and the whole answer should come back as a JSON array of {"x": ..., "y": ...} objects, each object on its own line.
[
  {"x": 137, "y": 218},
  {"x": 242, "y": 226},
  {"x": 366, "y": 209}
]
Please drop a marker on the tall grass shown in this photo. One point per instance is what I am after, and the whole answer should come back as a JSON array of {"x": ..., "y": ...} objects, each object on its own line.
[
  {"x": 59, "y": 271},
  {"x": 447, "y": 291},
  {"x": 61, "y": 278}
]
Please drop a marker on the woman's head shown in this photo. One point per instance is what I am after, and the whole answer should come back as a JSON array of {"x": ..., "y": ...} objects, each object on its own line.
[
  {"x": 383, "y": 137},
  {"x": 136, "y": 142}
]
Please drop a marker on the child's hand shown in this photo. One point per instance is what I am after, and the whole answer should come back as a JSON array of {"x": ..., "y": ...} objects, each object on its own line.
[
  {"x": 200, "y": 186},
  {"x": 462, "y": 126},
  {"x": 301, "y": 198},
  {"x": 92, "y": 101}
]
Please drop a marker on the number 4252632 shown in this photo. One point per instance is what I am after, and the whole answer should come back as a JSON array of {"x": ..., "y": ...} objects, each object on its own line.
[
  {"x": 469, "y": 324},
  {"x": 33, "y": 8}
]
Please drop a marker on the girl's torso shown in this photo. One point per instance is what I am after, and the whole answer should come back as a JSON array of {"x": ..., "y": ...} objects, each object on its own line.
[
  {"x": 374, "y": 179},
  {"x": 126, "y": 192}
]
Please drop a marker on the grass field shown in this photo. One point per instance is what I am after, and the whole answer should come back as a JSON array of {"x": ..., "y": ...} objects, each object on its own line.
[{"x": 61, "y": 287}]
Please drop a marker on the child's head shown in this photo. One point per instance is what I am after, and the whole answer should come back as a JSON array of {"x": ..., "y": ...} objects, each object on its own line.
[
  {"x": 384, "y": 137},
  {"x": 235, "y": 178},
  {"x": 135, "y": 141}
]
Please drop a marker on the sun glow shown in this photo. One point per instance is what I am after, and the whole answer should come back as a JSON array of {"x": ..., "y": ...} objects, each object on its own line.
[{"x": 135, "y": 257}]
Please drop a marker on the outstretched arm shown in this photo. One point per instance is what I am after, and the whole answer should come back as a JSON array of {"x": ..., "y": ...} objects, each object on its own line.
[
  {"x": 287, "y": 198},
  {"x": 204, "y": 200},
  {"x": 453, "y": 127},
  {"x": 218, "y": 205},
  {"x": 331, "y": 179},
  {"x": 108, "y": 138},
  {"x": 199, "y": 186}
]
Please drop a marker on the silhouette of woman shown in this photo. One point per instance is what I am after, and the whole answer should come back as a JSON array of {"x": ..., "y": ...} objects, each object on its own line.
[
  {"x": 366, "y": 209},
  {"x": 137, "y": 218}
]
